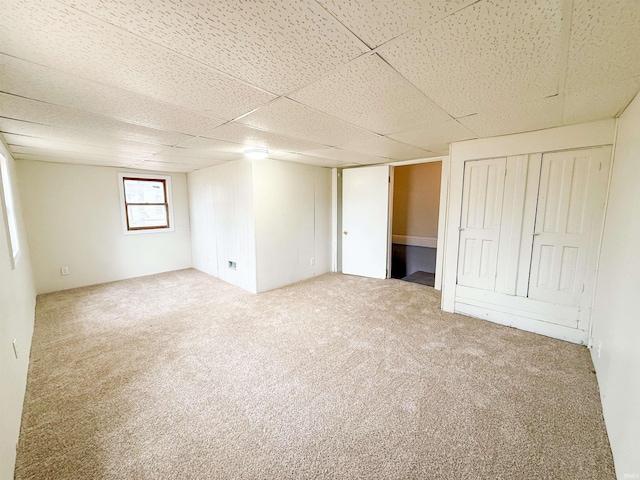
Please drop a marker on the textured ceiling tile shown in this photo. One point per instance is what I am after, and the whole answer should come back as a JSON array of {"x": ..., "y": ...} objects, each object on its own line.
[
  {"x": 275, "y": 45},
  {"x": 291, "y": 118},
  {"x": 347, "y": 156},
  {"x": 247, "y": 136},
  {"x": 434, "y": 134},
  {"x": 37, "y": 146},
  {"x": 385, "y": 147},
  {"x": 60, "y": 156},
  {"x": 18, "y": 108},
  {"x": 441, "y": 149},
  {"x": 120, "y": 151},
  {"x": 60, "y": 37},
  {"x": 493, "y": 53},
  {"x": 74, "y": 136},
  {"x": 170, "y": 167},
  {"x": 305, "y": 159},
  {"x": 371, "y": 94},
  {"x": 29, "y": 80},
  {"x": 188, "y": 155},
  {"x": 603, "y": 66},
  {"x": 206, "y": 144},
  {"x": 378, "y": 21},
  {"x": 198, "y": 159},
  {"x": 93, "y": 160},
  {"x": 539, "y": 115}
]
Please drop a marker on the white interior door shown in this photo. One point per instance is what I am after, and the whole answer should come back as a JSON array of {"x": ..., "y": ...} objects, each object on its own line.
[
  {"x": 563, "y": 225},
  {"x": 365, "y": 221},
  {"x": 482, "y": 195}
]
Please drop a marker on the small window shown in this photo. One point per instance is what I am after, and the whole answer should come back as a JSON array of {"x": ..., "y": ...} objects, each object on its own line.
[
  {"x": 146, "y": 202},
  {"x": 8, "y": 207}
]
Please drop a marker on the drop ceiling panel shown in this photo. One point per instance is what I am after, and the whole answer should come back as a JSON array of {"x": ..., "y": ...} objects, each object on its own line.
[
  {"x": 196, "y": 162},
  {"x": 208, "y": 144},
  {"x": 41, "y": 83},
  {"x": 115, "y": 150},
  {"x": 434, "y": 135},
  {"x": 74, "y": 136},
  {"x": 39, "y": 146},
  {"x": 371, "y": 94},
  {"x": 168, "y": 167},
  {"x": 95, "y": 161},
  {"x": 196, "y": 157},
  {"x": 378, "y": 21},
  {"x": 442, "y": 149},
  {"x": 603, "y": 66},
  {"x": 347, "y": 156},
  {"x": 58, "y": 156},
  {"x": 545, "y": 113},
  {"x": 291, "y": 118},
  {"x": 18, "y": 108},
  {"x": 247, "y": 136},
  {"x": 306, "y": 159},
  {"x": 491, "y": 54},
  {"x": 275, "y": 45},
  {"x": 386, "y": 147},
  {"x": 57, "y": 36}
]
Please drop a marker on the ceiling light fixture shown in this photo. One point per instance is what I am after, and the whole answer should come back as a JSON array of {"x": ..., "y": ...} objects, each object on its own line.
[{"x": 256, "y": 153}]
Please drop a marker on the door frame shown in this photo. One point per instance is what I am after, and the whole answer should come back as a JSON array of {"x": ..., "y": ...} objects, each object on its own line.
[{"x": 442, "y": 213}]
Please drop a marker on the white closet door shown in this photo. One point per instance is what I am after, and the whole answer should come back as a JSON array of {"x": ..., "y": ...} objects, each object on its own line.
[
  {"x": 365, "y": 221},
  {"x": 482, "y": 195},
  {"x": 563, "y": 226}
]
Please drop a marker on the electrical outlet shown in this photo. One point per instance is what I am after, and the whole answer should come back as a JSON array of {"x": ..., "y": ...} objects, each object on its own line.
[
  {"x": 64, "y": 270},
  {"x": 232, "y": 265},
  {"x": 15, "y": 347},
  {"x": 599, "y": 349},
  {"x": 312, "y": 261}
]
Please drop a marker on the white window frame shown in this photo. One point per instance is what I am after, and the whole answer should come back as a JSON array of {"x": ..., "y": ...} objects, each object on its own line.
[
  {"x": 9, "y": 209},
  {"x": 123, "y": 208}
]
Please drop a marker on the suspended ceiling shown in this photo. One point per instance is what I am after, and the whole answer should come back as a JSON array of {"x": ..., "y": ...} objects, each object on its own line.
[{"x": 173, "y": 85}]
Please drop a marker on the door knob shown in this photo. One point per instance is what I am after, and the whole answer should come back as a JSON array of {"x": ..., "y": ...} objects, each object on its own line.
[{"x": 345, "y": 232}]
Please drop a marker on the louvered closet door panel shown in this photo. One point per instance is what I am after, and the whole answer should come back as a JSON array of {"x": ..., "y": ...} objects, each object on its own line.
[
  {"x": 563, "y": 226},
  {"x": 482, "y": 196}
]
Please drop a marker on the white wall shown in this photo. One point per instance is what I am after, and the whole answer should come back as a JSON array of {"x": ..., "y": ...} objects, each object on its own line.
[
  {"x": 292, "y": 205},
  {"x": 73, "y": 218},
  {"x": 223, "y": 228},
  {"x": 268, "y": 216},
  {"x": 17, "y": 308},
  {"x": 416, "y": 200},
  {"x": 616, "y": 328}
]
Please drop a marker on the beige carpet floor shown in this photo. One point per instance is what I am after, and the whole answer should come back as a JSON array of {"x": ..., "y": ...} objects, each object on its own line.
[{"x": 180, "y": 375}]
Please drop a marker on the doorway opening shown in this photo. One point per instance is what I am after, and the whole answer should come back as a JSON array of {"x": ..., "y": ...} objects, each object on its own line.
[{"x": 416, "y": 208}]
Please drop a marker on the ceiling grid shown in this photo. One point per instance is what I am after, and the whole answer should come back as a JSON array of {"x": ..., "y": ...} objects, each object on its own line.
[{"x": 171, "y": 85}]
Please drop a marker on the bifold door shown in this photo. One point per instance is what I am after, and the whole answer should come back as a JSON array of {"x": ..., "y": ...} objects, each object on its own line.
[
  {"x": 480, "y": 224},
  {"x": 566, "y": 201}
]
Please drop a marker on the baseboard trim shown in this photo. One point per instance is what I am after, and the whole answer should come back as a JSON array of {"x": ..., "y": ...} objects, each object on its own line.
[{"x": 560, "y": 332}]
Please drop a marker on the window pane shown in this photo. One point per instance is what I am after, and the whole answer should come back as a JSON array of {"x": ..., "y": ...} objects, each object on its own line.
[
  {"x": 145, "y": 216},
  {"x": 144, "y": 191}
]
